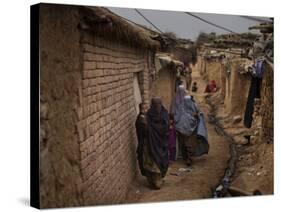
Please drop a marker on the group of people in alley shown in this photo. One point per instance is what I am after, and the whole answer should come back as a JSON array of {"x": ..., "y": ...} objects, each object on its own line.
[{"x": 163, "y": 136}]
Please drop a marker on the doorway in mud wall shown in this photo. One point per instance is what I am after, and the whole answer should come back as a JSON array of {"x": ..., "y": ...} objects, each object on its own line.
[
  {"x": 254, "y": 94},
  {"x": 137, "y": 92}
]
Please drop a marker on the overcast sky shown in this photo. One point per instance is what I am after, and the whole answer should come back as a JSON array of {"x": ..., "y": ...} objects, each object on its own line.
[{"x": 186, "y": 26}]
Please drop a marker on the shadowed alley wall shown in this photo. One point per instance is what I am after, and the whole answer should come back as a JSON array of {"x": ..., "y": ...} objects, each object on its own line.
[
  {"x": 232, "y": 85},
  {"x": 237, "y": 89},
  {"x": 60, "y": 75},
  {"x": 164, "y": 86},
  {"x": 106, "y": 126},
  {"x": 87, "y": 131},
  {"x": 267, "y": 104}
]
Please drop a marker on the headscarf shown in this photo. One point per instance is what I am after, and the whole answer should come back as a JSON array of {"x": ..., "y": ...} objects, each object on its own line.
[
  {"x": 178, "y": 98},
  {"x": 185, "y": 122},
  {"x": 211, "y": 87}
]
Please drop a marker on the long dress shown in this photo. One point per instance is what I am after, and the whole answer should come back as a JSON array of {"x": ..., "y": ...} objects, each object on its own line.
[
  {"x": 172, "y": 143},
  {"x": 156, "y": 156},
  {"x": 188, "y": 80},
  {"x": 192, "y": 131}
]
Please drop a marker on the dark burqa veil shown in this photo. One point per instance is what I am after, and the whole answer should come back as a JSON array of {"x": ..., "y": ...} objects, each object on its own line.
[{"x": 158, "y": 135}]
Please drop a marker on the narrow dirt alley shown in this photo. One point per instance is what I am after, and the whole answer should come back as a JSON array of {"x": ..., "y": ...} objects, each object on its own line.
[
  {"x": 96, "y": 84},
  {"x": 204, "y": 175}
]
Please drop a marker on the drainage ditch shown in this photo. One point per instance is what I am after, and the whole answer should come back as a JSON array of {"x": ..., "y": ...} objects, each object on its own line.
[{"x": 221, "y": 190}]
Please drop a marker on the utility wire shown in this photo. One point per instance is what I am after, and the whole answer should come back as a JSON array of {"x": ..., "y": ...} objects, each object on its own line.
[
  {"x": 148, "y": 20},
  {"x": 208, "y": 22},
  {"x": 254, "y": 19},
  {"x": 134, "y": 23}
]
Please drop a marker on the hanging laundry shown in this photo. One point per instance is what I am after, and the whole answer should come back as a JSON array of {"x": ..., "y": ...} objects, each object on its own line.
[
  {"x": 258, "y": 68},
  {"x": 254, "y": 92},
  {"x": 245, "y": 67}
]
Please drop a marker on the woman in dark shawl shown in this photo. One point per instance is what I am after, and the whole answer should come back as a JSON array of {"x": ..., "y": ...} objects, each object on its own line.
[{"x": 155, "y": 157}]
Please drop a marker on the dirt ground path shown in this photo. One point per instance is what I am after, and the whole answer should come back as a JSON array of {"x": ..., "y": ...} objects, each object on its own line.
[{"x": 205, "y": 172}]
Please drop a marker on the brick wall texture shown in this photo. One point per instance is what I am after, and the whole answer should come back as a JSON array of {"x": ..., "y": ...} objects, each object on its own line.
[
  {"x": 107, "y": 116},
  {"x": 267, "y": 105},
  {"x": 164, "y": 86}
]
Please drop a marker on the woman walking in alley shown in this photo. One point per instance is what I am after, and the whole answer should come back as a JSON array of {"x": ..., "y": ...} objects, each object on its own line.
[
  {"x": 190, "y": 126},
  {"x": 156, "y": 158},
  {"x": 155, "y": 146}
]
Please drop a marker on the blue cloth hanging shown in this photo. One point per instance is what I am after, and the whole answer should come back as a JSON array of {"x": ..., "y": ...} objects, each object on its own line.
[{"x": 259, "y": 68}]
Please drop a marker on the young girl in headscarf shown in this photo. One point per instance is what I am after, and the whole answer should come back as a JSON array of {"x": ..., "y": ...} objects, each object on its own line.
[{"x": 211, "y": 87}]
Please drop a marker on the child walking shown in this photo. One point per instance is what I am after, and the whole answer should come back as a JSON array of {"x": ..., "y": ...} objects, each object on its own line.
[{"x": 172, "y": 139}]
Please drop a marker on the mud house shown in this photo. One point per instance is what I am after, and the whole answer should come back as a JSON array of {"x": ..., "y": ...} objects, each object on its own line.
[
  {"x": 262, "y": 117},
  {"x": 231, "y": 68},
  {"x": 242, "y": 66},
  {"x": 211, "y": 67},
  {"x": 236, "y": 87},
  {"x": 164, "y": 84},
  {"x": 226, "y": 67},
  {"x": 229, "y": 61},
  {"x": 185, "y": 51},
  {"x": 95, "y": 69}
]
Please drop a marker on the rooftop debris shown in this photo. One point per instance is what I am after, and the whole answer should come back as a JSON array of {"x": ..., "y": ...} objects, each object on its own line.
[
  {"x": 107, "y": 24},
  {"x": 166, "y": 59},
  {"x": 266, "y": 27}
]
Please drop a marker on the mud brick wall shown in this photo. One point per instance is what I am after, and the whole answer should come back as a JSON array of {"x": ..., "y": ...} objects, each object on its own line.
[
  {"x": 107, "y": 116},
  {"x": 267, "y": 105},
  {"x": 202, "y": 65},
  {"x": 237, "y": 89},
  {"x": 164, "y": 86},
  {"x": 87, "y": 112},
  {"x": 213, "y": 69},
  {"x": 223, "y": 80},
  {"x": 60, "y": 75}
]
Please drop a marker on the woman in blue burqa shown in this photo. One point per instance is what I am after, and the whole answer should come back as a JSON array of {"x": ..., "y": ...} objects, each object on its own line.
[
  {"x": 154, "y": 148},
  {"x": 190, "y": 126}
]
